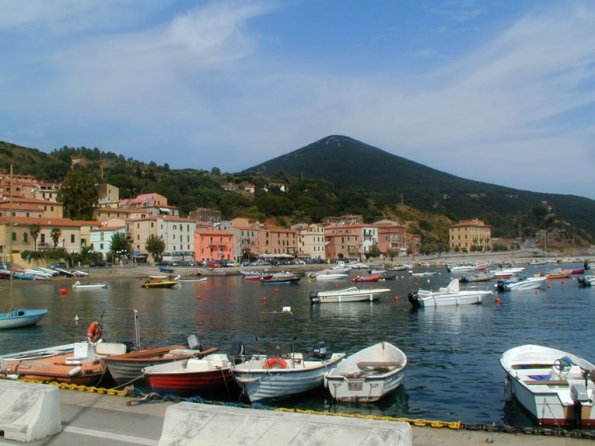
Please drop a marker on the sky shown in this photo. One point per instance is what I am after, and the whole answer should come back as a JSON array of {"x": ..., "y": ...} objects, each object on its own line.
[{"x": 499, "y": 91}]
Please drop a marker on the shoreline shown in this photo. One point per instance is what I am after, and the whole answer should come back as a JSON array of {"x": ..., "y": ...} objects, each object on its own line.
[{"x": 142, "y": 271}]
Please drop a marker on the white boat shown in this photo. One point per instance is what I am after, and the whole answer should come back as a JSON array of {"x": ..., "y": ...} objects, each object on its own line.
[
  {"x": 458, "y": 269},
  {"x": 554, "y": 386},
  {"x": 367, "y": 375},
  {"x": 197, "y": 279},
  {"x": 350, "y": 294},
  {"x": 88, "y": 286},
  {"x": 21, "y": 317},
  {"x": 265, "y": 377},
  {"x": 330, "y": 275},
  {"x": 38, "y": 273},
  {"x": 451, "y": 295},
  {"x": 527, "y": 283},
  {"x": 503, "y": 273},
  {"x": 423, "y": 274}
]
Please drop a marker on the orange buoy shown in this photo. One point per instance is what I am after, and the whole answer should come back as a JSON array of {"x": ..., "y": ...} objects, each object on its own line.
[
  {"x": 498, "y": 300},
  {"x": 63, "y": 291},
  {"x": 264, "y": 298},
  {"x": 397, "y": 298},
  {"x": 198, "y": 297}
]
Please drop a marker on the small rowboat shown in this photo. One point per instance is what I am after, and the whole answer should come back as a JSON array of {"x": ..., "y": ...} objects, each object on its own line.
[
  {"x": 88, "y": 286},
  {"x": 192, "y": 376},
  {"x": 559, "y": 274},
  {"x": 367, "y": 375}
]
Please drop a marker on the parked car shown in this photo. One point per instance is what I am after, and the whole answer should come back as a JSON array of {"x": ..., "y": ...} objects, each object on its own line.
[
  {"x": 60, "y": 265},
  {"x": 226, "y": 263},
  {"x": 213, "y": 264}
]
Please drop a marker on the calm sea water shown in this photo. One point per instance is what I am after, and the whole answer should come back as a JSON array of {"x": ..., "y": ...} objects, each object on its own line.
[{"x": 453, "y": 372}]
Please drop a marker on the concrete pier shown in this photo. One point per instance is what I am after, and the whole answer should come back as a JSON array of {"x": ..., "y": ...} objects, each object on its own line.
[{"x": 97, "y": 420}]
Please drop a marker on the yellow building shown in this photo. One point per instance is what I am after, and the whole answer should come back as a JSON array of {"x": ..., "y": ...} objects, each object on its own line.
[{"x": 470, "y": 235}]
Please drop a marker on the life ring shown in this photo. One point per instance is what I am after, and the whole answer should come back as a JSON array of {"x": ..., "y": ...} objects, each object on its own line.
[
  {"x": 94, "y": 332},
  {"x": 275, "y": 363}
]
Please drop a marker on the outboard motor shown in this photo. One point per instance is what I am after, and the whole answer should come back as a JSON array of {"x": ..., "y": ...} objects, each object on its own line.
[
  {"x": 500, "y": 285},
  {"x": 413, "y": 299},
  {"x": 194, "y": 343},
  {"x": 319, "y": 350}
]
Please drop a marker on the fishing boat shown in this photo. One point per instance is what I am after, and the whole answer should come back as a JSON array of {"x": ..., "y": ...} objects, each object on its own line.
[
  {"x": 128, "y": 366},
  {"x": 368, "y": 278},
  {"x": 451, "y": 295},
  {"x": 329, "y": 274},
  {"x": 255, "y": 275},
  {"x": 586, "y": 281},
  {"x": 21, "y": 317},
  {"x": 505, "y": 273},
  {"x": 81, "y": 367},
  {"x": 558, "y": 273},
  {"x": 525, "y": 283},
  {"x": 367, "y": 375},
  {"x": 281, "y": 279},
  {"x": 192, "y": 376},
  {"x": 88, "y": 286},
  {"x": 555, "y": 387},
  {"x": 350, "y": 294},
  {"x": 460, "y": 269},
  {"x": 271, "y": 377}
]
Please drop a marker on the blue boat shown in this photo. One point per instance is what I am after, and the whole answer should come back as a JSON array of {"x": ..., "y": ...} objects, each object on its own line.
[
  {"x": 166, "y": 269},
  {"x": 21, "y": 317}
]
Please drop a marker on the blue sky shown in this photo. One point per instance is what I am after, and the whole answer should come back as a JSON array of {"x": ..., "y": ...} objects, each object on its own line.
[{"x": 498, "y": 91}]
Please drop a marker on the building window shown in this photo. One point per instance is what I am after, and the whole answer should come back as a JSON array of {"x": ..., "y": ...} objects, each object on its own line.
[{"x": 71, "y": 238}]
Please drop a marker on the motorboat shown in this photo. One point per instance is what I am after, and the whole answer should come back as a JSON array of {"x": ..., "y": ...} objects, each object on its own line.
[
  {"x": 423, "y": 273},
  {"x": 368, "y": 278},
  {"x": 21, "y": 317},
  {"x": 161, "y": 282},
  {"x": 349, "y": 294},
  {"x": 505, "y": 273},
  {"x": 330, "y": 274},
  {"x": 460, "y": 269},
  {"x": 277, "y": 376},
  {"x": 525, "y": 283},
  {"x": 81, "y": 366},
  {"x": 477, "y": 277},
  {"x": 88, "y": 286},
  {"x": 191, "y": 376},
  {"x": 128, "y": 366},
  {"x": 586, "y": 281},
  {"x": 256, "y": 275},
  {"x": 368, "y": 375},
  {"x": 451, "y": 295},
  {"x": 556, "y": 387}
]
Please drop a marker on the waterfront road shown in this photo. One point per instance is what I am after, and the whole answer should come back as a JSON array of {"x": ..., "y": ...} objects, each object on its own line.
[{"x": 91, "y": 419}]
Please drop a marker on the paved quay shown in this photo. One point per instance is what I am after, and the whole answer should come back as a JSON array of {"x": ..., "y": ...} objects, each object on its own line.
[{"x": 91, "y": 419}]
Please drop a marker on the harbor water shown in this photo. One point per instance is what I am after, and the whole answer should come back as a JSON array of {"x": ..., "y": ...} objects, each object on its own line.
[{"x": 453, "y": 373}]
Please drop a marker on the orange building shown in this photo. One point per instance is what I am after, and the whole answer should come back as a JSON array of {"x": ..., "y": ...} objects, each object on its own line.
[
  {"x": 392, "y": 237},
  {"x": 274, "y": 240},
  {"x": 213, "y": 244}
]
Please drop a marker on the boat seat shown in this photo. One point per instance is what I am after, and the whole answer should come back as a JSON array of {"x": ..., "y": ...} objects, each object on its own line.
[
  {"x": 376, "y": 365},
  {"x": 549, "y": 382},
  {"x": 110, "y": 348}
]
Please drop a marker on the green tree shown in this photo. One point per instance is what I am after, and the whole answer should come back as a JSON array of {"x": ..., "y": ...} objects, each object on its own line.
[
  {"x": 78, "y": 194},
  {"x": 119, "y": 245},
  {"x": 34, "y": 230},
  {"x": 55, "y": 234},
  {"x": 155, "y": 246}
]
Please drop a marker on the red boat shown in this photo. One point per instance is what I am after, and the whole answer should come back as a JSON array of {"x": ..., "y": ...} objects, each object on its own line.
[
  {"x": 370, "y": 278},
  {"x": 578, "y": 271},
  {"x": 191, "y": 376}
]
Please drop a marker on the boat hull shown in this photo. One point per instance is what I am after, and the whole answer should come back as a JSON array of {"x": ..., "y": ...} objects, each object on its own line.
[
  {"x": 260, "y": 384},
  {"x": 347, "y": 295},
  {"x": 368, "y": 375}
]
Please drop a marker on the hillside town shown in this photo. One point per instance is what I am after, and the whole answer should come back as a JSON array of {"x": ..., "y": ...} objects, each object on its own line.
[{"x": 32, "y": 219}]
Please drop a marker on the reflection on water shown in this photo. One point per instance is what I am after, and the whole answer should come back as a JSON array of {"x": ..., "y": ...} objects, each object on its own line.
[{"x": 453, "y": 372}]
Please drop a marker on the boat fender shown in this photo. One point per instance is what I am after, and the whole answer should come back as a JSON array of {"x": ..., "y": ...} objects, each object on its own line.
[
  {"x": 75, "y": 371},
  {"x": 94, "y": 332},
  {"x": 275, "y": 363}
]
